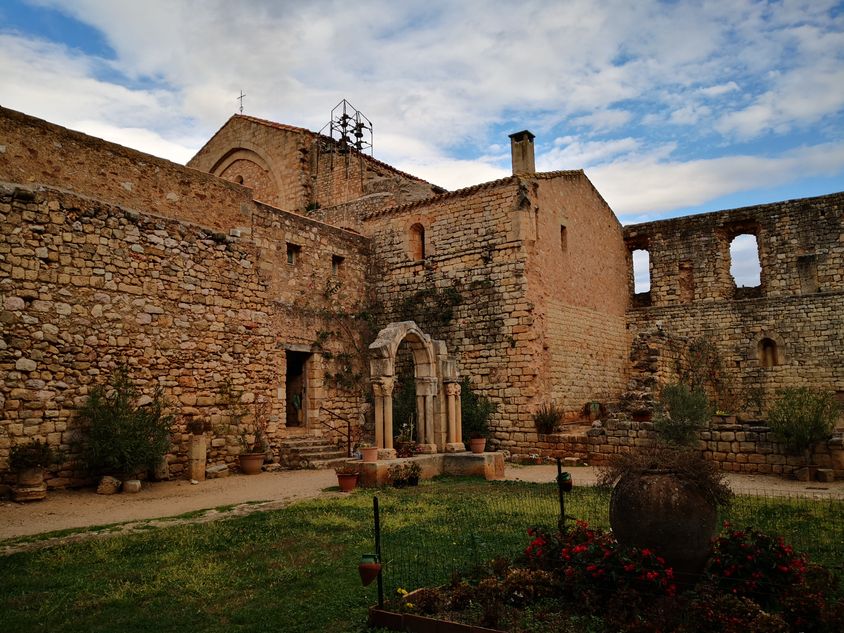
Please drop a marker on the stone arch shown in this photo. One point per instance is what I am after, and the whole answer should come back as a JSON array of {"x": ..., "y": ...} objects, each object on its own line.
[
  {"x": 253, "y": 154},
  {"x": 437, "y": 389},
  {"x": 767, "y": 350}
]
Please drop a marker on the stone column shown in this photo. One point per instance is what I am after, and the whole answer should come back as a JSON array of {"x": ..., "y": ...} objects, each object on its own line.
[
  {"x": 426, "y": 389},
  {"x": 379, "y": 414},
  {"x": 387, "y": 387},
  {"x": 458, "y": 418},
  {"x": 196, "y": 457},
  {"x": 454, "y": 445}
]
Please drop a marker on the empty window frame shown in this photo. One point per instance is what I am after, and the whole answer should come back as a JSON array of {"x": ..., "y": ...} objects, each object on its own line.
[
  {"x": 337, "y": 264},
  {"x": 294, "y": 251},
  {"x": 417, "y": 242},
  {"x": 744, "y": 261},
  {"x": 564, "y": 240}
]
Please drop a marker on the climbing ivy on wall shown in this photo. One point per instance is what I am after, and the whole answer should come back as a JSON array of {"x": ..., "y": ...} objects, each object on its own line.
[{"x": 431, "y": 305}]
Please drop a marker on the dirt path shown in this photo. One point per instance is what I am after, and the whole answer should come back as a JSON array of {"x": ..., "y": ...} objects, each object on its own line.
[{"x": 158, "y": 503}]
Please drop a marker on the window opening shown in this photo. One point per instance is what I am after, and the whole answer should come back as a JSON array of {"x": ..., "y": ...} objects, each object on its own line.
[
  {"x": 336, "y": 264},
  {"x": 641, "y": 270},
  {"x": 293, "y": 253},
  {"x": 767, "y": 352},
  {"x": 563, "y": 238},
  {"x": 417, "y": 242},
  {"x": 744, "y": 261}
]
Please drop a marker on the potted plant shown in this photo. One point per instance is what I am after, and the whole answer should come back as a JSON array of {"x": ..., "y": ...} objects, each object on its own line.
[
  {"x": 476, "y": 413},
  {"x": 368, "y": 452},
  {"x": 800, "y": 419},
  {"x": 665, "y": 499},
  {"x": 254, "y": 445},
  {"x": 347, "y": 476},
  {"x": 29, "y": 462}
]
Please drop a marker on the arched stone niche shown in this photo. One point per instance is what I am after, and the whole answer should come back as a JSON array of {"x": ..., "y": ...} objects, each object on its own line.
[{"x": 438, "y": 410}]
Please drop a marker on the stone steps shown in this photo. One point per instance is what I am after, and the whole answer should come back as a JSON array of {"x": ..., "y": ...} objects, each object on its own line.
[{"x": 310, "y": 452}]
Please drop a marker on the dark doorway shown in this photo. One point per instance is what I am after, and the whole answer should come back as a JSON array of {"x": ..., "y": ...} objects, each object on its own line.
[{"x": 296, "y": 387}]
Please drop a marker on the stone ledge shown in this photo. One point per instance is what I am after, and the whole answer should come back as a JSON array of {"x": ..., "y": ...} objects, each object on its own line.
[{"x": 490, "y": 466}]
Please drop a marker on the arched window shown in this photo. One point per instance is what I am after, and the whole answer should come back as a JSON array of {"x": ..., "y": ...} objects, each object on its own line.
[
  {"x": 767, "y": 353},
  {"x": 417, "y": 242}
]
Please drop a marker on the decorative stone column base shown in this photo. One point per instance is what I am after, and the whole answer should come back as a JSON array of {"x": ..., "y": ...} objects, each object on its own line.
[
  {"x": 455, "y": 447},
  {"x": 426, "y": 449},
  {"x": 386, "y": 453}
]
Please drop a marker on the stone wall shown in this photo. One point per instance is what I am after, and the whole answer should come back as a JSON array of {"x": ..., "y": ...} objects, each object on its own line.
[
  {"x": 33, "y": 151},
  {"x": 524, "y": 319},
  {"x": 742, "y": 448},
  {"x": 468, "y": 290},
  {"x": 787, "y": 332},
  {"x": 86, "y": 285},
  {"x": 577, "y": 278}
]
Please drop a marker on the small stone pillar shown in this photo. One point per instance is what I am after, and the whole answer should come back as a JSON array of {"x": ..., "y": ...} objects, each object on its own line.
[
  {"x": 196, "y": 457},
  {"x": 426, "y": 389},
  {"x": 455, "y": 423},
  {"x": 383, "y": 391}
]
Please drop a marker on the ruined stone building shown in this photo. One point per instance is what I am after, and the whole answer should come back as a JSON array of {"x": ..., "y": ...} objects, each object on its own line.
[{"x": 268, "y": 264}]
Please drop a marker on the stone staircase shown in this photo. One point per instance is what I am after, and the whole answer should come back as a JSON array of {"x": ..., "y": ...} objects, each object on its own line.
[{"x": 310, "y": 452}]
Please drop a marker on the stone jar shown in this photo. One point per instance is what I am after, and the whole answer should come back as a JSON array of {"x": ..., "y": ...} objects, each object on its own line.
[{"x": 657, "y": 510}]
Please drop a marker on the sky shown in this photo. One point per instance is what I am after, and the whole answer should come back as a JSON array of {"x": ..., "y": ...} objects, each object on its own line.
[{"x": 670, "y": 107}]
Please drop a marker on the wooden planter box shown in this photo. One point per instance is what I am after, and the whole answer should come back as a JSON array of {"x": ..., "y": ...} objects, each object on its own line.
[{"x": 411, "y": 623}]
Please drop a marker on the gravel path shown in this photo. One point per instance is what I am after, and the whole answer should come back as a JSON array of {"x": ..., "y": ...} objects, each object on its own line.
[{"x": 161, "y": 503}]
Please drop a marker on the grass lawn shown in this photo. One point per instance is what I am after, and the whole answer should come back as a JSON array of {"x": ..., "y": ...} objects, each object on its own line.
[{"x": 295, "y": 570}]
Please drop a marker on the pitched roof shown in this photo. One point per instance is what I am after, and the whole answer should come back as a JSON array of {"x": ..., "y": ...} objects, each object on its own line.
[
  {"x": 473, "y": 189},
  {"x": 300, "y": 130}
]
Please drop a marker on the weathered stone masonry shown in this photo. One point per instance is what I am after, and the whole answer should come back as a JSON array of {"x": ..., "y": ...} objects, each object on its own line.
[{"x": 109, "y": 254}]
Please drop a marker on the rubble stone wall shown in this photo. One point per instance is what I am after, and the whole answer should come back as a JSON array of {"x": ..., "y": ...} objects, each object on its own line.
[
  {"x": 33, "y": 151},
  {"x": 86, "y": 284},
  {"x": 742, "y": 448},
  {"x": 796, "y": 311}
]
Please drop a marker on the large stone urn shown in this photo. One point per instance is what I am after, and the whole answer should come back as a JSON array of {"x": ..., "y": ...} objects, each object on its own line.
[{"x": 657, "y": 510}]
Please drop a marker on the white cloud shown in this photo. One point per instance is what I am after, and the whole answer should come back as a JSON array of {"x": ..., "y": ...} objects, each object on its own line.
[
  {"x": 639, "y": 186},
  {"x": 718, "y": 90},
  {"x": 623, "y": 83}
]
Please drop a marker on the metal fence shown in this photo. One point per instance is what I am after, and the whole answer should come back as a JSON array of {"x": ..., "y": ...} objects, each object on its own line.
[{"x": 425, "y": 537}]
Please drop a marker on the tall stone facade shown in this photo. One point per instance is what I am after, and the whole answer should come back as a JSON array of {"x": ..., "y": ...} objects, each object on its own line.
[{"x": 267, "y": 265}]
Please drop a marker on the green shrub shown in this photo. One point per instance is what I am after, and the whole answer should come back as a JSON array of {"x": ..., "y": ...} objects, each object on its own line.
[
  {"x": 476, "y": 411},
  {"x": 120, "y": 437},
  {"x": 683, "y": 411},
  {"x": 547, "y": 418},
  {"x": 801, "y": 417}
]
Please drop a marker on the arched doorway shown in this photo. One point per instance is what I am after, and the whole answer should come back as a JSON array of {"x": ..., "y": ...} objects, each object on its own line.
[{"x": 435, "y": 376}]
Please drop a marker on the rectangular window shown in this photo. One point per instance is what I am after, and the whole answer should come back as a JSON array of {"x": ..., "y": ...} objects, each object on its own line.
[
  {"x": 293, "y": 252},
  {"x": 563, "y": 238},
  {"x": 336, "y": 264}
]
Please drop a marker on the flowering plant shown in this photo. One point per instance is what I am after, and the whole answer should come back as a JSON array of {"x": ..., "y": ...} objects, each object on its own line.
[
  {"x": 750, "y": 563},
  {"x": 590, "y": 560}
]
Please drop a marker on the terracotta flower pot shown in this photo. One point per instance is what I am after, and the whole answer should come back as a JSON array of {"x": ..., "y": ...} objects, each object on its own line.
[
  {"x": 368, "y": 568},
  {"x": 250, "y": 463},
  {"x": 656, "y": 510},
  {"x": 369, "y": 454},
  {"x": 477, "y": 444},
  {"x": 347, "y": 481}
]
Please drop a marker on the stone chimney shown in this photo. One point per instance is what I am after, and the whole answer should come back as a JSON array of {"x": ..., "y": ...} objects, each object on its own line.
[{"x": 521, "y": 150}]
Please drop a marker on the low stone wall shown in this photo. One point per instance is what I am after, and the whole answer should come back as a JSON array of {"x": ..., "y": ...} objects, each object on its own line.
[
  {"x": 741, "y": 448},
  {"x": 745, "y": 448},
  {"x": 487, "y": 465}
]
